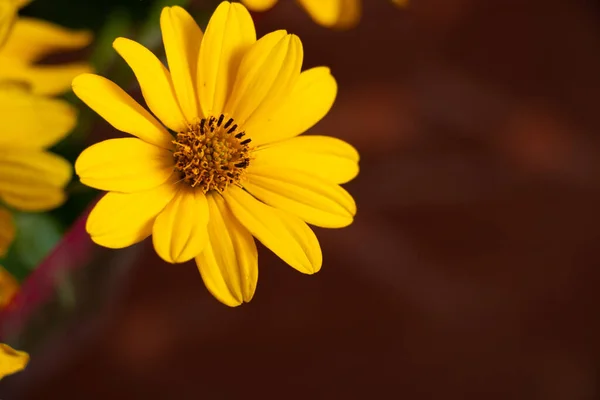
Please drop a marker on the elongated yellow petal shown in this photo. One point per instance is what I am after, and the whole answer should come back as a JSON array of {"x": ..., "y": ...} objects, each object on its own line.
[
  {"x": 123, "y": 219},
  {"x": 182, "y": 38},
  {"x": 11, "y": 360},
  {"x": 32, "y": 121},
  {"x": 33, "y": 180},
  {"x": 229, "y": 263},
  {"x": 120, "y": 110},
  {"x": 8, "y": 13},
  {"x": 313, "y": 200},
  {"x": 155, "y": 82},
  {"x": 7, "y": 234},
  {"x": 124, "y": 165},
  {"x": 338, "y": 14},
  {"x": 323, "y": 12},
  {"x": 268, "y": 71},
  {"x": 32, "y": 39},
  {"x": 229, "y": 34},
  {"x": 350, "y": 12},
  {"x": 259, "y": 5},
  {"x": 9, "y": 287},
  {"x": 49, "y": 80},
  {"x": 284, "y": 234},
  {"x": 179, "y": 232},
  {"x": 325, "y": 157},
  {"x": 309, "y": 101}
]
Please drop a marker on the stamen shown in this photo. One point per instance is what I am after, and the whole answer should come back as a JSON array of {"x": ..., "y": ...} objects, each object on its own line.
[{"x": 208, "y": 157}]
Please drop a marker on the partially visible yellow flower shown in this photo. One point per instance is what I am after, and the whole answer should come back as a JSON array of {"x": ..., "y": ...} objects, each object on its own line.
[
  {"x": 28, "y": 40},
  {"x": 233, "y": 167},
  {"x": 32, "y": 178},
  {"x": 11, "y": 360},
  {"x": 339, "y": 14}
]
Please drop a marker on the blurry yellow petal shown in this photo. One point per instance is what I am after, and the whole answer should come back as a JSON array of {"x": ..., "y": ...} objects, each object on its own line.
[
  {"x": 229, "y": 34},
  {"x": 229, "y": 263},
  {"x": 284, "y": 234},
  {"x": 32, "y": 121},
  {"x": 268, "y": 71},
  {"x": 120, "y": 110},
  {"x": 179, "y": 232},
  {"x": 259, "y": 5},
  {"x": 33, "y": 180},
  {"x": 8, "y": 13},
  {"x": 11, "y": 360},
  {"x": 123, "y": 219},
  {"x": 8, "y": 287},
  {"x": 22, "y": 3},
  {"x": 325, "y": 157},
  {"x": 311, "y": 199},
  {"x": 7, "y": 234},
  {"x": 124, "y": 165},
  {"x": 341, "y": 14},
  {"x": 400, "y": 3},
  {"x": 155, "y": 82},
  {"x": 323, "y": 12},
  {"x": 32, "y": 39},
  {"x": 43, "y": 79},
  {"x": 182, "y": 37},
  {"x": 309, "y": 101},
  {"x": 349, "y": 14}
]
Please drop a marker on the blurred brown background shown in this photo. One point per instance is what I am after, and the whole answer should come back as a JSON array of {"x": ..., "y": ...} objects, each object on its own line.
[{"x": 471, "y": 271}]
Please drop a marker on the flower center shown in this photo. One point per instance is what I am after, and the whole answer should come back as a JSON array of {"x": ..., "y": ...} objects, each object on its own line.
[{"x": 211, "y": 154}]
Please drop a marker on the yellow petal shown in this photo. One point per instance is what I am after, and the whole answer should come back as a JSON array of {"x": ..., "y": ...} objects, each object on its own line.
[
  {"x": 284, "y": 234},
  {"x": 179, "y": 232},
  {"x": 120, "y": 110},
  {"x": 124, "y": 165},
  {"x": 33, "y": 180},
  {"x": 123, "y": 219},
  {"x": 9, "y": 287},
  {"x": 309, "y": 101},
  {"x": 32, "y": 39},
  {"x": 7, "y": 234},
  {"x": 181, "y": 38},
  {"x": 259, "y": 5},
  {"x": 8, "y": 13},
  {"x": 22, "y": 3},
  {"x": 267, "y": 72},
  {"x": 44, "y": 79},
  {"x": 155, "y": 82},
  {"x": 323, "y": 12},
  {"x": 340, "y": 14},
  {"x": 400, "y": 3},
  {"x": 325, "y": 157},
  {"x": 229, "y": 34},
  {"x": 229, "y": 263},
  {"x": 350, "y": 12},
  {"x": 11, "y": 360},
  {"x": 32, "y": 121},
  {"x": 311, "y": 199}
]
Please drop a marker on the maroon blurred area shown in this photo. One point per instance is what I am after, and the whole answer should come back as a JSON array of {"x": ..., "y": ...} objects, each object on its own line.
[{"x": 471, "y": 271}]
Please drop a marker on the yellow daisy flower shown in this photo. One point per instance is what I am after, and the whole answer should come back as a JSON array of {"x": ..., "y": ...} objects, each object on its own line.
[
  {"x": 11, "y": 360},
  {"x": 28, "y": 40},
  {"x": 234, "y": 167},
  {"x": 339, "y": 14},
  {"x": 31, "y": 178}
]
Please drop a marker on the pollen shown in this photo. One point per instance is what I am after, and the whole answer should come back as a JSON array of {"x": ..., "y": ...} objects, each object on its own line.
[{"x": 211, "y": 154}]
